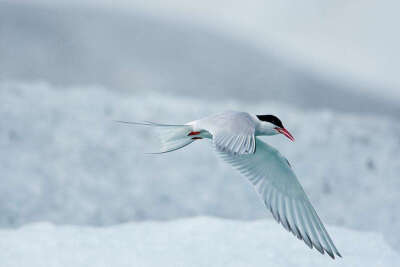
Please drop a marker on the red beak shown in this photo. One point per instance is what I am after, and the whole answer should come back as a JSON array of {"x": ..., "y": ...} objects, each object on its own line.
[{"x": 285, "y": 133}]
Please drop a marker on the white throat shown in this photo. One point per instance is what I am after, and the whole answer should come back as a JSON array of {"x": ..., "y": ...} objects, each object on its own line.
[{"x": 265, "y": 128}]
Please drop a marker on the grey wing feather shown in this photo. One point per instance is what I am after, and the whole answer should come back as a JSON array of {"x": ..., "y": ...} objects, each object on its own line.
[
  {"x": 283, "y": 195},
  {"x": 235, "y": 144},
  {"x": 232, "y": 132}
]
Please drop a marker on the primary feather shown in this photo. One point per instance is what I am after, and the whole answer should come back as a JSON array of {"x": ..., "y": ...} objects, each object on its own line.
[{"x": 282, "y": 194}]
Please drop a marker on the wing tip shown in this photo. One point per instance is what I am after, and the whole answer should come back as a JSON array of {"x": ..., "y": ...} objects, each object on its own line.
[{"x": 332, "y": 255}]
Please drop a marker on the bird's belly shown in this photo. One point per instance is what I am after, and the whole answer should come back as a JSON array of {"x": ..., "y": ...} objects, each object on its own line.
[
  {"x": 199, "y": 127},
  {"x": 205, "y": 134}
]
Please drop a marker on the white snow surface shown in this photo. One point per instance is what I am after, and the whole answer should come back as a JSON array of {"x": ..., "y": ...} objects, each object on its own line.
[
  {"x": 64, "y": 160},
  {"x": 200, "y": 241}
]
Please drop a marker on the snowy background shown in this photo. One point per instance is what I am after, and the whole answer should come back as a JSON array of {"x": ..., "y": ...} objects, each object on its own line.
[{"x": 328, "y": 70}]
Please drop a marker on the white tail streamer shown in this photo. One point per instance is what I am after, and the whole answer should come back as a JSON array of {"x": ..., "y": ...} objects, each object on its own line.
[{"x": 172, "y": 136}]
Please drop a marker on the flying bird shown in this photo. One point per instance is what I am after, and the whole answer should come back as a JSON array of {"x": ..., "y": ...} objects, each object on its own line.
[{"x": 234, "y": 135}]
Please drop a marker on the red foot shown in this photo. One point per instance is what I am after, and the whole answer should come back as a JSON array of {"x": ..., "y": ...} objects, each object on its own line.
[{"x": 193, "y": 133}]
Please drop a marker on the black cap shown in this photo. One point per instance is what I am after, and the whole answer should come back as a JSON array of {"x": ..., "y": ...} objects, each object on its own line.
[{"x": 272, "y": 119}]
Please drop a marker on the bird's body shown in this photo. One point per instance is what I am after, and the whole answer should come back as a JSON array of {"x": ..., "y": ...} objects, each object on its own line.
[{"x": 234, "y": 136}]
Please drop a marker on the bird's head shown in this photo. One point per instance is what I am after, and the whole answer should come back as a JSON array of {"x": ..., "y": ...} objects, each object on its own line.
[{"x": 271, "y": 125}]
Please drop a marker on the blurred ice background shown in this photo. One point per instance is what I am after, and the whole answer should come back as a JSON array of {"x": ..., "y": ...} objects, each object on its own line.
[
  {"x": 67, "y": 69},
  {"x": 201, "y": 241}
]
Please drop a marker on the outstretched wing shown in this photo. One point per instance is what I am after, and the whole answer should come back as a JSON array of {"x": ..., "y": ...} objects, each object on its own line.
[
  {"x": 235, "y": 144},
  {"x": 283, "y": 195},
  {"x": 232, "y": 132}
]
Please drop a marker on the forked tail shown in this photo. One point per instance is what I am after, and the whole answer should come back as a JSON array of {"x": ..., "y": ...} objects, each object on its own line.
[{"x": 172, "y": 137}]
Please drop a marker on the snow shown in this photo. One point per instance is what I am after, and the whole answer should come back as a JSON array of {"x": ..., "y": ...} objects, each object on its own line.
[
  {"x": 199, "y": 241},
  {"x": 350, "y": 41},
  {"x": 134, "y": 51},
  {"x": 328, "y": 70},
  {"x": 64, "y": 160}
]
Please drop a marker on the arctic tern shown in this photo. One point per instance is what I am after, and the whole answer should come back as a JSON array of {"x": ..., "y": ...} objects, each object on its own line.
[{"x": 234, "y": 136}]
